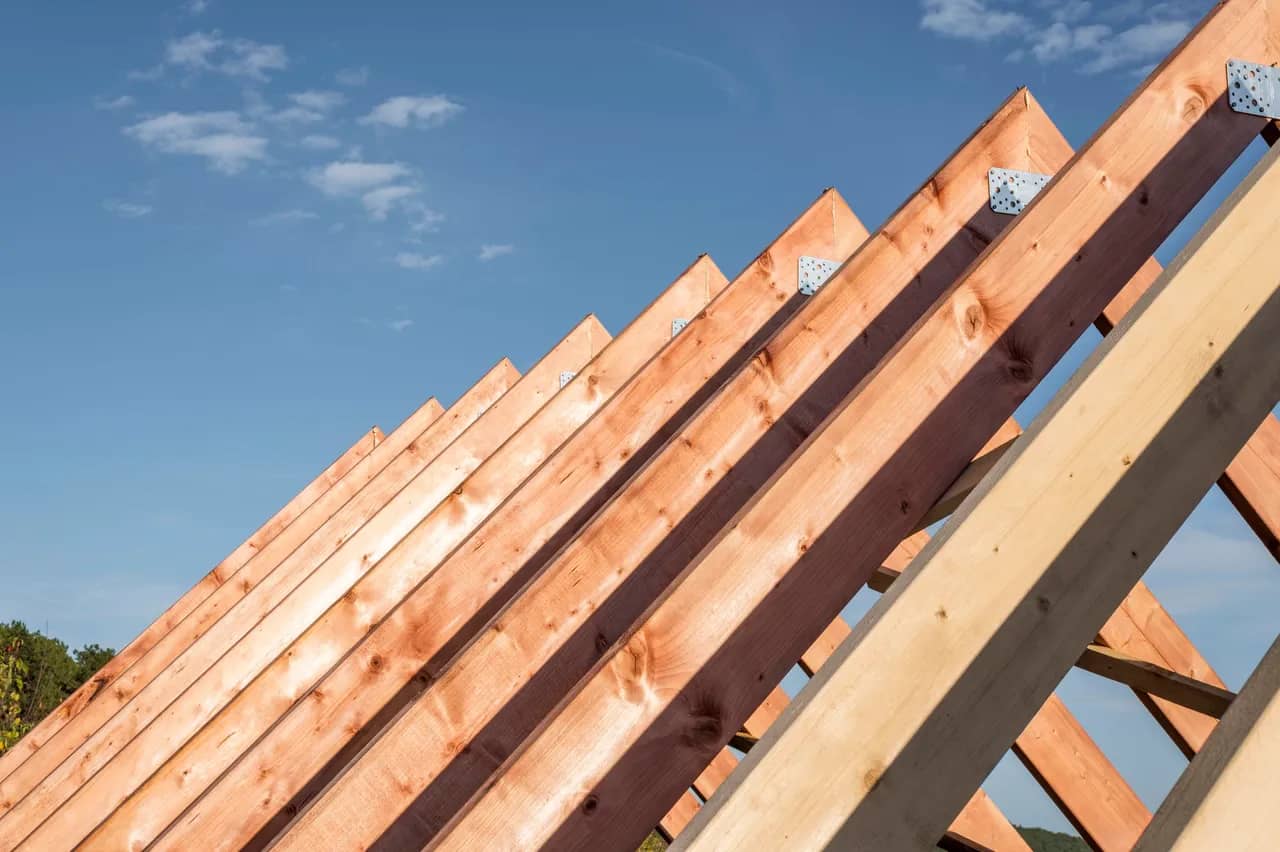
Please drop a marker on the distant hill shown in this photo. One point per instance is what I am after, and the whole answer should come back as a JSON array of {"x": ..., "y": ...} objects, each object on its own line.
[
  {"x": 1039, "y": 839},
  {"x": 1043, "y": 840}
]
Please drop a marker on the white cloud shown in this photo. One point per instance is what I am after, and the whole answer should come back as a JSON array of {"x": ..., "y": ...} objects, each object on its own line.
[
  {"x": 196, "y": 7},
  {"x": 490, "y": 251},
  {"x": 1075, "y": 30},
  {"x": 250, "y": 59},
  {"x": 285, "y": 217},
  {"x": 317, "y": 142},
  {"x": 1061, "y": 40},
  {"x": 201, "y": 51},
  {"x": 308, "y": 107},
  {"x": 222, "y": 138},
  {"x": 970, "y": 19},
  {"x": 1138, "y": 44},
  {"x": 320, "y": 101},
  {"x": 413, "y": 260},
  {"x": 379, "y": 202},
  {"x": 113, "y": 103},
  {"x": 399, "y": 325},
  {"x": 422, "y": 219},
  {"x": 429, "y": 111},
  {"x": 126, "y": 209},
  {"x": 352, "y": 76},
  {"x": 193, "y": 51},
  {"x": 356, "y": 178}
]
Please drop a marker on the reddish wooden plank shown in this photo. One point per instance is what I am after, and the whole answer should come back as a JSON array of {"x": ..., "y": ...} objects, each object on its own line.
[
  {"x": 965, "y": 367},
  {"x": 104, "y": 677},
  {"x": 532, "y": 654},
  {"x": 193, "y": 643},
  {"x": 583, "y": 474},
  {"x": 135, "y": 741},
  {"x": 257, "y": 708}
]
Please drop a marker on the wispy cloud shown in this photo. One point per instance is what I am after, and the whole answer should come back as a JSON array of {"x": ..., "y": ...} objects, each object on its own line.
[
  {"x": 319, "y": 142},
  {"x": 1124, "y": 36},
  {"x": 113, "y": 103},
  {"x": 209, "y": 51},
  {"x": 126, "y": 209},
  {"x": 352, "y": 77},
  {"x": 490, "y": 251},
  {"x": 721, "y": 78},
  {"x": 196, "y": 7},
  {"x": 971, "y": 19},
  {"x": 413, "y": 260},
  {"x": 222, "y": 138},
  {"x": 305, "y": 107},
  {"x": 399, "y": 325},
  {"x": 422, "y": 219},
  {"x": 379, "y": 202},
  {"x": 356, "y": 178},
  {"x": 425, "y": 111},
  {"x": 284, "y": 217}
]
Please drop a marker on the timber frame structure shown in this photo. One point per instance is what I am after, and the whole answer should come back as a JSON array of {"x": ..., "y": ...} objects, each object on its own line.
[{"x": 557, "y": 613}]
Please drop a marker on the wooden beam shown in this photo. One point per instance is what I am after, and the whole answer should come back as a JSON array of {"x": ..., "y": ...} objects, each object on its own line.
[
  {"x": 146, "y": 640},
  {"x": 298, "y": 672},
  {"x": 1226, "y": 797},
  {"x": 138, "y": 738},
  {"x": 1145, "y": 677},
  {"x": 188, "y": 646},
  {"x": 467, "y": 587},
  {"x": 997, "y": 607},
  {"x": 1141, "y": 628},
  {"x": 515, "y": 672},
  {"x": 679, "y": 817},
  {"x": 266, "y": 576},
  {"x": 707, "y": 651}
]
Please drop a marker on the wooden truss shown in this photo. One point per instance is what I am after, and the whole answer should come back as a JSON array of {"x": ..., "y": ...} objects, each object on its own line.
[{"x": 557, "y": 613}]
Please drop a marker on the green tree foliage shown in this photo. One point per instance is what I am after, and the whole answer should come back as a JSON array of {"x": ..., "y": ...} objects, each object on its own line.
[
  {"x": 1043, "y": 840},
  {"x": 36, "y": 673}
]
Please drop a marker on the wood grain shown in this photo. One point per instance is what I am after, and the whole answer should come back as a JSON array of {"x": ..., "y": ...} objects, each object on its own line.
[
  {"x": 997, "y": 607},
  {"x": 675, "y": 689},
  {"x": 294, "y": 675},
  {"x": 137, "y": 740},
  {"x": 223, "y": 571}
]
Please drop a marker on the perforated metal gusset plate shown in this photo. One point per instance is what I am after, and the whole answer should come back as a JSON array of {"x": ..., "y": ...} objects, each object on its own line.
[
  {"x": 677, "y": 326},
  {"x": 814, "y": 272},
  {"x": 1011, "y": 190},
  {"x": 566, "y": 377},
  {"x": 1253, "y": 88}
]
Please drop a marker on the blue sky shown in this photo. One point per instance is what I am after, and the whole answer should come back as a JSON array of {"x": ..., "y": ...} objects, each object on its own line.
[{"x": 233, "y": 236}]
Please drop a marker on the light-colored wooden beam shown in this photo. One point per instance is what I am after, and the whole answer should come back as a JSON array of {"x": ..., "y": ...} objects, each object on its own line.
[
  {"x": 1145, "y": 677},
  {"x": 1226, "y": 799},
  {"x": 304, "y": 670},
  {"x": 709, "y": 649},
  {"x": 146, "y": 640},
  {"x": 515, "y": 672},
  {"x": 189, "y": 646},
  {"x": 996, "y": 608},
  {"x": 459, "y": 597},
  {"x": 137, "y": 740}
]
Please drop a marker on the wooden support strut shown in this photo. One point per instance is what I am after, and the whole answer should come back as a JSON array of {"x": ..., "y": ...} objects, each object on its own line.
[
  {"x": 1226, "y": 797},
  {"x": 287, "y": 680},
  {"x": 601, "y": 581},
  {"x": 965, "y": 367},
  {"x": 137, "y": 740},
  {"x": 1046, "y": 548},
  {"x": 191, "y": 644},
  {"x": 548, "y": 509}
]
